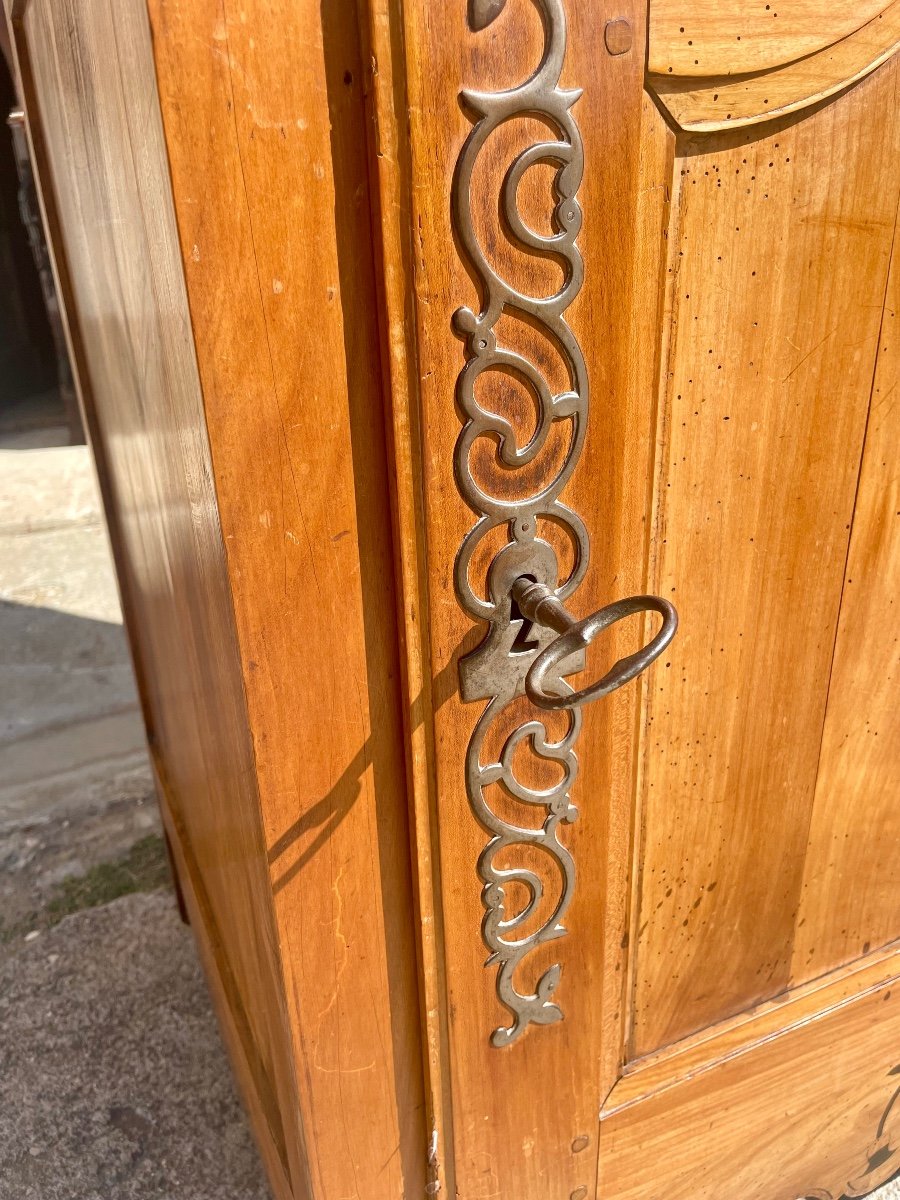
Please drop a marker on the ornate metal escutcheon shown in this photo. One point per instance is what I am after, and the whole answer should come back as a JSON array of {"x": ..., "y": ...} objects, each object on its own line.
[{"x": 523, "y": 582}]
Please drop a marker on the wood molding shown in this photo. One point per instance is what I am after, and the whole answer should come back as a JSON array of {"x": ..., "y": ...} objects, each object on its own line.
[
  {"x": 390, "y": 171},
  {"x": 708, "y": 1050},
  {"x": 711, "y": 38},
  {"x": 729, "y": 101},
  {"x": 824, "y": 1123}
]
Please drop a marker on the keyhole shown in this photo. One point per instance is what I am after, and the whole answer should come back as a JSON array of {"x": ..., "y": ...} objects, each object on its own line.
[{"x": 525, "y": 639}]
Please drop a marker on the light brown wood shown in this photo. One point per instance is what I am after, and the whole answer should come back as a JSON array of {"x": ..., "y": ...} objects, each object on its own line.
[
  {"x": 778, "y": 256},
  {"x": 721, "y": 102},
  {"x": 250, "y": 206},
  {"x": 711, "y": 1048},
  {"x": 811, "y": 1112},
  {"x": 855, "y": 824},
  {"x": 392, "y": 217},
  {"x": 706, "y": 37},
  {"x": 264, "y": 123}
]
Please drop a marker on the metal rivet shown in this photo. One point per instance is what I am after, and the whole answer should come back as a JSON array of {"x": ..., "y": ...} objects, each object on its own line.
[
  {"x": 581, "y": 1143},
  {"x": 579, "y": 1194},
  {"x": 618, "y": 36}
]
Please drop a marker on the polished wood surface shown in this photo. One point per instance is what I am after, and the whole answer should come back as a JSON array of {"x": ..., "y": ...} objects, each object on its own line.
[
  {"x": 250, "y": 207},
  {"x": 809, "y": 1111},
  {"x": 263, "y": 116},
  {"x": 855, "y": 822},
  {"x": 707, "y": 37},
  {"x": 389, "y": 155},
  {"x": 778, "y": 252},
  {"x": 710, "y": 1049}
]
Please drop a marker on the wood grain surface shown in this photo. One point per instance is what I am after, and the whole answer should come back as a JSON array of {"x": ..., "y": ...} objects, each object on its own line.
[
  {"x": 778, "y": 258},
  {"x": 706, "y": 37},
  {"x": 724, "y": 101},
  {"x": 263, "y": 111},
  {"x": 712, "y": 1048},
  {"x": 850, "y": 898},
  {"x": 809, "y": 1113}
]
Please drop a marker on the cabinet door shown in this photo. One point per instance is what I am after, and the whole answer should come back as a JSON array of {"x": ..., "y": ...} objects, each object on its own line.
[{"x": 706, "y": 957}]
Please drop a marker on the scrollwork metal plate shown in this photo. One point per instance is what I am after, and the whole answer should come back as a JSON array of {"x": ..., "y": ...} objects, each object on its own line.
[{"x": 496, "y": 670}]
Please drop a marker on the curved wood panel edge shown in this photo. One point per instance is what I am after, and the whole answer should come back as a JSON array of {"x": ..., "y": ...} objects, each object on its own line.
[
  {"x": 824, "y": 1126},
  {"x": 703, "y": 105},
  {"x": 702, "y": 38},
  {"x": 730, "y": 1039}
]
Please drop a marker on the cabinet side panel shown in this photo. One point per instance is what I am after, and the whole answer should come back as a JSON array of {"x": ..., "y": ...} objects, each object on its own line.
[
  {"x": 88, "y": 82},
  {"x": 263, "y": 111}
]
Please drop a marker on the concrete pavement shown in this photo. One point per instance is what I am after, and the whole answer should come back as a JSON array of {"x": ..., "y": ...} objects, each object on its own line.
[
  {"x": 70, "y": 728},
  {"x": 113, "y": 1081}
]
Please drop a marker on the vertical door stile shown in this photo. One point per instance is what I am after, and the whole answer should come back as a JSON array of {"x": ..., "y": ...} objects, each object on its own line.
[
  {"x": 524, "y": 1116},
  {"x": 383, "y": 37}
]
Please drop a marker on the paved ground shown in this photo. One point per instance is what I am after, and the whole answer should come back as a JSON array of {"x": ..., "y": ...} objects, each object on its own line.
[
  {"x": 70, "y": 730},
  {"x": 113, "y": 1082}
]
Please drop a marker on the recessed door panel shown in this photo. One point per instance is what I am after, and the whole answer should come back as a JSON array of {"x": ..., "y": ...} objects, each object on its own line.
[{"x": 779, "y": 244}]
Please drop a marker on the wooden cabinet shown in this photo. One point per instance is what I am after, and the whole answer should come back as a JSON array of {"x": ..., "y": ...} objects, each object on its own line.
[{"x": 378, "y": 308}]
